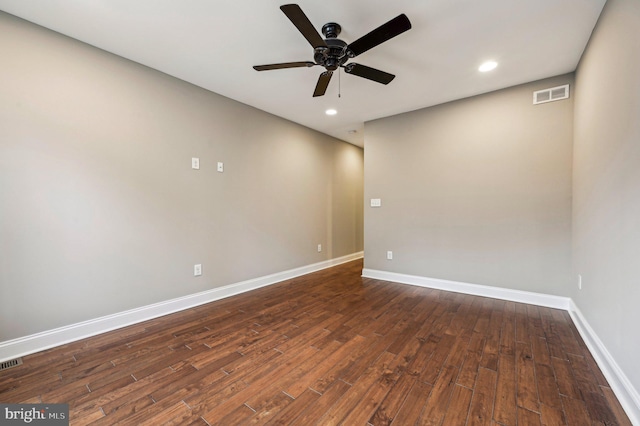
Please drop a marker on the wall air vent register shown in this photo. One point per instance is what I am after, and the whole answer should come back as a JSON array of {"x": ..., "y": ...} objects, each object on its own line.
[{"x": 551, "y": 95}]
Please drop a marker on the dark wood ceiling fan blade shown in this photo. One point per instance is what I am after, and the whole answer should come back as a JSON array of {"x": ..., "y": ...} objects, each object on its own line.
[
  {"x": 384, "y": 32},
  {"x": 283, "y": 66},
  {"x": 369, "y": 73},
  {"x": 302, "y": 23},
  {"x": 323, "y": 83}
]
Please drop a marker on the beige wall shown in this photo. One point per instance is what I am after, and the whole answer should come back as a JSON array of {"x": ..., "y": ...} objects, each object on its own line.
[
  {"x": 477, "y": 191},
  {"x": 606, "y": 207},
  {"x": 100, "y": 211}
]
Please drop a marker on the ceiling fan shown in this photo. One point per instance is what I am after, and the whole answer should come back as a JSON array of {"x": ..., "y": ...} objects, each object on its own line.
[{"x": 333, "y": 53}]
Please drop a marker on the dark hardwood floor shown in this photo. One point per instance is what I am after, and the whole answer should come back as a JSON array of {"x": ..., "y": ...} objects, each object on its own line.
[{"x": 329, "y": 348}]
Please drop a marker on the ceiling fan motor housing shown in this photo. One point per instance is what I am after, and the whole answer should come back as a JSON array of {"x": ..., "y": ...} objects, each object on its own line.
[{"x": 333, "y": 55}]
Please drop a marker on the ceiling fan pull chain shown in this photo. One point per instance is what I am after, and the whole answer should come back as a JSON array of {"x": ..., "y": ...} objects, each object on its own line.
[{"x": 339, "y": 80}]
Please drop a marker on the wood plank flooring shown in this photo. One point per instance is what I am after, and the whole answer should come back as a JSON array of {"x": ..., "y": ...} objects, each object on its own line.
[{"x": 329, "y": 348}]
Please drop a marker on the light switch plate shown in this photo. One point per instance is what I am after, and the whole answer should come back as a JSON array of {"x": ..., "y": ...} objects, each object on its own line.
[
  {"x": 195, "y": 163},
  {"x": 220, "y": 166},
  {"x": 376, "y": 202}
]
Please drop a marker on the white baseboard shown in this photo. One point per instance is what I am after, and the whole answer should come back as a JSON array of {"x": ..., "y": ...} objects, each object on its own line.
[
  {"x": 620, "y": 384},
  {"x": 48, "y": 339},
  {"x": 539, "y": 299}
]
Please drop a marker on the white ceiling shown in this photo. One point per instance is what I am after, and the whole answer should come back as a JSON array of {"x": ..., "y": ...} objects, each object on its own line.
[{"x": 215, "y": 43}]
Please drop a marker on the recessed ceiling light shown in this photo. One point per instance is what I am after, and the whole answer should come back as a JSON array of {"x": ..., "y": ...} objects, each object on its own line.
[
  {"x": 331, "y": 112},
  {"x": 488, "y": 66}
]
